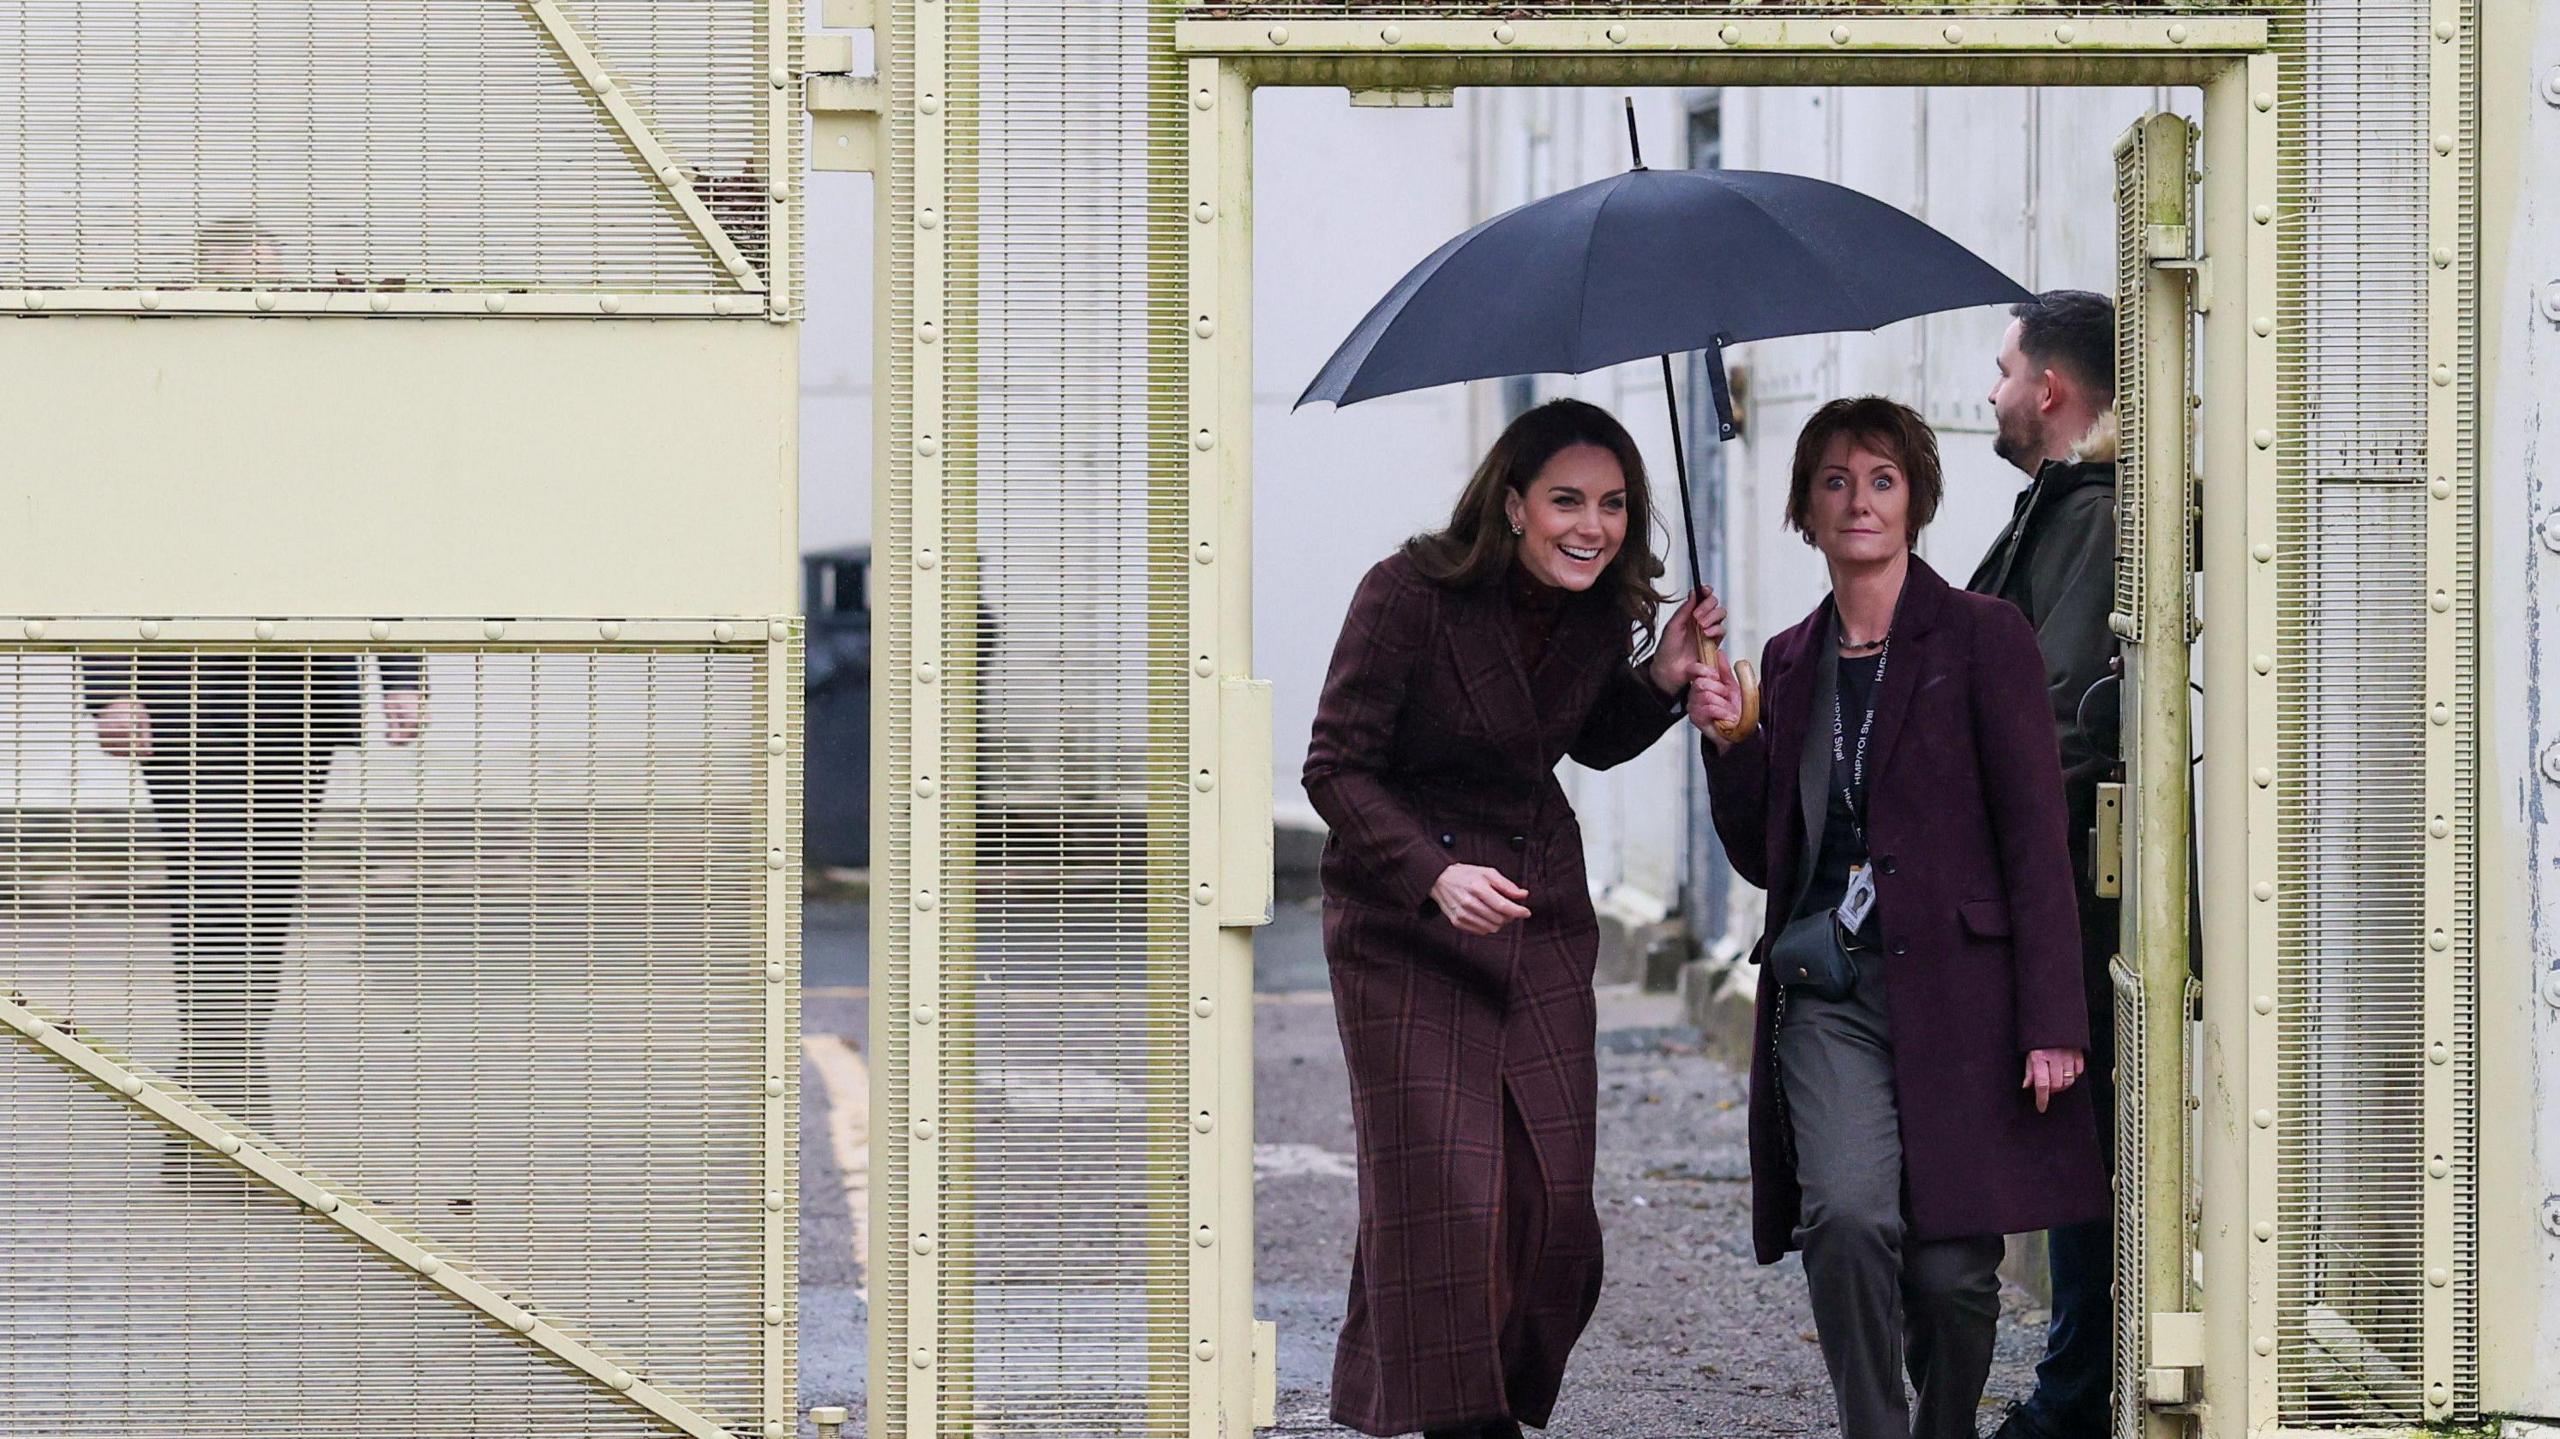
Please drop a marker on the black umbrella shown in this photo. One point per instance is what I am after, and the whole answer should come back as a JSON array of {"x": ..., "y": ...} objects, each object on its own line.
[{"x": 1655, "y": 262}]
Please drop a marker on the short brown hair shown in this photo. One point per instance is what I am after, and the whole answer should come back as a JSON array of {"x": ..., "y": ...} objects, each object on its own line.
[
  {"x": 1477, "y": 546},
  {"x": 1891, "y": 429}
]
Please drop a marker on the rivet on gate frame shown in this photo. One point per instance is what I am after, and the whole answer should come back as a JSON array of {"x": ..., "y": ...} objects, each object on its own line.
[
  {"x": 1204, "y": 1236},
  {"x": 773, "y": 1314},
  {"x": 773, "y": 1200},
  {"x": 2262, "y": 326},
  {"x": 2439, "y": 713},
  {"x": 2177, "y": 34},
  {"x": 2262, "y": 1346},
  {"x": 2263, "y": 664},
  {"x": 2263, "y": 439},
  {"x": 921, "y": 1244},
  {"x": 773, "y": 1086},
  {"x": 929, "y": 218},
  {"x": 1202, "y": 1122},
  {"x": 379, "y": 303},
  {"x": 2263, "y": 1231},
  {"x": 1954, "y": 34},
  {"x": 494, "y": 628},
  {"x": 1278, "y": 34},
  {"x": 619, "y": 1379},
  {"x": 927, "y": 673},
  {"x": 496, "y": 304},
  {"x": 926, "y": 1014},
  {"x": 924, "y": 1129},
  {"x": 2263, "y": 891},
  {"x": 428, "y": 1264},
  {"x": 1204, "y": 327},
  {"x": 1617, "y": 34},
  {"x": 2444, "y": 29},
  {"x": 928, "y": 446},
  {"x": 1203, "y": 98},
  {"x": 2441, "y": 374},
  {"x": 2438, "y": 829},
  {"x": 2439, "y": 602},
  {"x": 2444, "y": 144},
  {"x": 2264, "y": 1004},
  {"x": 1204, "y": 1351},
  {"x": 150, "y": 630},
  {"x": 1204, "y": 667},
  {"x": 2437, "y": 1168},
  {"x": 929, "y": 105},
  {"x": 2438, "y": 1054},
  {"x": 928, "y": 332},
  {"x": 1203, "y": 1007},
  {"x": 379, "y": 629},
  {"x": 1204, "y": 781},
  {"x": 264, "y": 299},
  {"x": 265, "y": 629},
  {"x": 1204, "y": 212},
  {"x": 2262, "y": 213},
  {"x": 150, "y": 299},
  {"x": 1839, "y": 34},
  {"x": 1730, "y": 34},
  {"x": 610, "y": 629},
  {"x": 724, "y": 632},
  {"x": 34, "y": 629},
  {"x": 2262, "y": 552},
  {"x": 2442, "y": 489},
  {"x": 925, "y": 901},
  {"x": 926, "y": 558},
  {"x": 922, "y": 1357},
  {"x": 2263, "y": 776},
  {"x": 1203, "y": 893},
  {"x": 2264, "y": 1119},
  {"x": 1392, "y": 35},
  {"x": 2441, "y": 256},
  {"x": 1205, "y": 552},
  {"x": 2439, "y": 941},
  {"x": 2064, "y": 35},
  {"x": 777, "y": 630},
  {"x": 1504, "y": 34},
  {"x": 2263, "y": 101},
  {"x": 1202, "y": 439},
  {"x": 925, "y": 787}
]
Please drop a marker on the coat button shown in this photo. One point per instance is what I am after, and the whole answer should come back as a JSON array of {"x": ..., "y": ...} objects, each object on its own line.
[
  {"x": 1899, "y": 948},
  {"x": 1519, "y": 842},
  {"x": 1885, "y": 865},
  {"x": 1448, "y": 841}
]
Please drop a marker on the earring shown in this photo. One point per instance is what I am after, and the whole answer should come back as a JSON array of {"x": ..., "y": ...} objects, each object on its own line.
[{"x": 1515, "y": 529}]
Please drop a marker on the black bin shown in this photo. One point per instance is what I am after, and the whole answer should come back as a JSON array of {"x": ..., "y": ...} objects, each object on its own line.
[{"x": 835, "y": 590}]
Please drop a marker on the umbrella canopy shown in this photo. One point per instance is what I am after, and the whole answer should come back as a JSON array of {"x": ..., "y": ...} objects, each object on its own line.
[{"x": 1654, "y": 262}]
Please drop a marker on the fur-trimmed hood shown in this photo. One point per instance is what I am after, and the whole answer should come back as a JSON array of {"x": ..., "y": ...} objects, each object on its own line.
[{"x": 2099, "y": 446}]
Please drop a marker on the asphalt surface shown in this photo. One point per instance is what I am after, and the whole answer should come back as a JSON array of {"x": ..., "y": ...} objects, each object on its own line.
[{"x": 1692, "y": 1336}]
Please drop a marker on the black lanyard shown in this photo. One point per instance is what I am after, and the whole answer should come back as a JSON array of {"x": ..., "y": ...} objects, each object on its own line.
[{"x": 1855, "y": 787}]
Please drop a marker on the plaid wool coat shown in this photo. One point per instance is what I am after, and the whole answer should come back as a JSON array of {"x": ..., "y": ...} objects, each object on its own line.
[
  {"x": 1975, "y": 902},
  {"x": 1478, "y": 1259}
]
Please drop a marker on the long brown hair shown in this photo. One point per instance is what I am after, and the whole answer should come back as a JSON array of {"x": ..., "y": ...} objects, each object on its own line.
[{"x": 1477, "y": 546}]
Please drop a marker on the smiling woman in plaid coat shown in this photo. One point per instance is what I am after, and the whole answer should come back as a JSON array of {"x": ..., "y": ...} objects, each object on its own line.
[{"x": 1458, "y": 922}]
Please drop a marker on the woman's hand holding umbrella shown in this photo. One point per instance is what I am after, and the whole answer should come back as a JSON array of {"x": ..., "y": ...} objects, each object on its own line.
[
  {"x": 1676, "y": 659},
  {"x": 1718, "y": 696}
]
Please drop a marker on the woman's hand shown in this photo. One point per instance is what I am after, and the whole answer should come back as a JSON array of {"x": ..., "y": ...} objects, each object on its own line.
[
  {"x": 1715, "y": 701},
  {"x": 1675, "y": 660},
  {"x": 2051, "y": 1071},
  {"x": 1477, "y": 899}
]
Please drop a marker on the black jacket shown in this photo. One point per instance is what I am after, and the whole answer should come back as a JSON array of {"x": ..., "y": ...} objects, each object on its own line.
[{"x": 2057, "y": 562}]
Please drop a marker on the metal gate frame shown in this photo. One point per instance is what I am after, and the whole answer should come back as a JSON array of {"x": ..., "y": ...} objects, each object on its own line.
[
  {"x": 2228, "y": 56},
  {"x": 2237, "y": 289}
]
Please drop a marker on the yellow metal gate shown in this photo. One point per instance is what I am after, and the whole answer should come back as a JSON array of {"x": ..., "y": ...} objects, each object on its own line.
[{"x": 399, "y": 694}]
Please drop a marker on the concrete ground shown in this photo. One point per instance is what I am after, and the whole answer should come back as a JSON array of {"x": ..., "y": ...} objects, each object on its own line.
[{"x": 1692, "y": 1337}]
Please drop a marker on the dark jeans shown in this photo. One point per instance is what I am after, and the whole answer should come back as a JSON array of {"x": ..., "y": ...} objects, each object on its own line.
[{"x": 235, "y": 813}]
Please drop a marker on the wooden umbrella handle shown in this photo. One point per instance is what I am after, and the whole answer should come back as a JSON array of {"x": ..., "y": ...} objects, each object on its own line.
[{"x": 1747, "y": 681}]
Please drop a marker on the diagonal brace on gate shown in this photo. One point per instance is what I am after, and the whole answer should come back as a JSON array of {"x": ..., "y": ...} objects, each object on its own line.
[
  {"x": 640, "y": 137},
  {"x": 278, "y": 1170}
]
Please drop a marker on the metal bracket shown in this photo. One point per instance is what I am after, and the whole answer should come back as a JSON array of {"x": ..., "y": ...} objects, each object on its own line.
[
  {"x": 2199, "y": 280},
  {"x": 645, "y": 145},
  {"x": 2106, "y": 851},
  {"x": 61, "y": 1039},
  {"x": 844, "y": 113}
]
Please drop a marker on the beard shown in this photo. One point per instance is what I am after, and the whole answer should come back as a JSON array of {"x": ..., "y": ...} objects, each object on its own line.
[{"x": 2013, "y": 442}]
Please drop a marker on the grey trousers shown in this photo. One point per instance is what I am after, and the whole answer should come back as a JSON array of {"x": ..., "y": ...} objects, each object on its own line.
[{"x": 1883, "y": 1304}]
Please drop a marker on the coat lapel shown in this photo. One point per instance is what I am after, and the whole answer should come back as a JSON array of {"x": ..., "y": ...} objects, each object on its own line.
[{"x": 1924, "y": 594}]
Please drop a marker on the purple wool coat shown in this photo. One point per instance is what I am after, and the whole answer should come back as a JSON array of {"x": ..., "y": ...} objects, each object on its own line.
[
  {"x": 1980, "y": 928},
  {"x": 1434, "y": 744}
]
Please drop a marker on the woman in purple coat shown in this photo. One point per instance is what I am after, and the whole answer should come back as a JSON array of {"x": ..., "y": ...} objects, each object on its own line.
[
  {"x": 1458, "y": 923},
  {"x": 1921, "y": 1020}
]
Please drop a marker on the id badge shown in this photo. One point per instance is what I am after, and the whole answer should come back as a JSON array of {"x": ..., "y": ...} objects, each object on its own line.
[{"x": 1859, "y": 901}]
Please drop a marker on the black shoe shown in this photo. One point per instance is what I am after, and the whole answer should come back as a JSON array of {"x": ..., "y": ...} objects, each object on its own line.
[{"x": 2019, "y": 1424}]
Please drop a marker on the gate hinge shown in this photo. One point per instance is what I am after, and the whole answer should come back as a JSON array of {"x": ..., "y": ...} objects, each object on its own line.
[
  {"x": 2175, "y": 1360},
  {"x": 844, "y": 115},
  {"x": 2106, "y": 847},
  {"x": 2199, "y": 279}
]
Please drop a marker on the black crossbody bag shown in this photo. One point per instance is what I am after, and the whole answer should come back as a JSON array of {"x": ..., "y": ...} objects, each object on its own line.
[{"x": 1814, "y": 953}]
